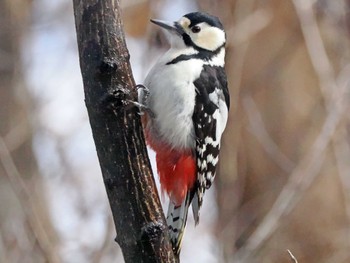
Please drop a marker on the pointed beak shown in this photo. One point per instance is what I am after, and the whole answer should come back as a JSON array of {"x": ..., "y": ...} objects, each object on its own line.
[{"x": 172, "y": 27}]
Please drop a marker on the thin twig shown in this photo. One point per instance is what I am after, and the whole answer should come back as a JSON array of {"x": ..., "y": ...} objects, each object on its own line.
[
  {"x": 299, "y": 181},
  {"x": 18, "y": 135},
  {"x": 257, "y": 128},
  {"x": 249, "y": 27},
  {"x": 307, "y": 170},
  {"x": 330, "y": 89},
  {"x": 241, "y": 50},
  {"x": 25, "y": 199},
  {"x": 341, "y": 150},
  {"x": 293, "y": 258},
  {"x": 315, "y": 47}
]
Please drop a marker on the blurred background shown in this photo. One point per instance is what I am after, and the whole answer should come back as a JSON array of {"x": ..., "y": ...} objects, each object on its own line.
[{"x": 284, "y": 176}]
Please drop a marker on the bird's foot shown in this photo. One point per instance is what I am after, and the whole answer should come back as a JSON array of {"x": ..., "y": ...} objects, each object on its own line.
[
  {"x": 121, "y": 97},
  {"x": 143, "y": 94}
]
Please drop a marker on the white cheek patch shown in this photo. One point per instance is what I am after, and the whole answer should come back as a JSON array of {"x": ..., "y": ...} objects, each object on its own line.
[{"x": 210, "y": 38}]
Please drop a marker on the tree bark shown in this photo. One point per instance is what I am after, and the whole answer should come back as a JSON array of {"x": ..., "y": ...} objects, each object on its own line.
[{"x": 117, "y": 131}]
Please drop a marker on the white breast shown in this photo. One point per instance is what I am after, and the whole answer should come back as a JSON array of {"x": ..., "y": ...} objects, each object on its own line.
[{"x": 172, "y": 99}]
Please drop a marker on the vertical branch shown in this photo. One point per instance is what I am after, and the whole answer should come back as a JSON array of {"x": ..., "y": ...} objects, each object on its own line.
[{"x": 104, "y": 62}]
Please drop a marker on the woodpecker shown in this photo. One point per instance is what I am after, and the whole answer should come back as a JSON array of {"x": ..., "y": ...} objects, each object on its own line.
[{"x": 187, "y": 108}]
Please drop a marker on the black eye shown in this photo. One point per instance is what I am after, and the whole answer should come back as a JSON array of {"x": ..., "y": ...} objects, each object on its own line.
[{"x": 196, "y": 29}]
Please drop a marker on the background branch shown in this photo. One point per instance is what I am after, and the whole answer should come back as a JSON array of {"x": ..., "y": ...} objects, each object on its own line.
[{"x": 292, "y": 257}]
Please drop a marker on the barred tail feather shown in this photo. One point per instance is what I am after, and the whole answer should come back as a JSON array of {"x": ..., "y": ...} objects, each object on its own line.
[{"x": 176, "y": 220}]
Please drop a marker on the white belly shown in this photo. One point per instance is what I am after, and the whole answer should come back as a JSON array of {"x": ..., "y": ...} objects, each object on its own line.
[{"x": 172, "y": 99}]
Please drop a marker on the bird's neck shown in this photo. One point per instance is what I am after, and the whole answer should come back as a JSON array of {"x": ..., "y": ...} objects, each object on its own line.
[
  {"x": 218, "y": 58},
  {"x": 176, "y": 55},
  {"x": 174, "y": 52}
]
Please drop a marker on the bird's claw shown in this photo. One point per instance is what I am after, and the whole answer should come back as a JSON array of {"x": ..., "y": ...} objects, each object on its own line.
[
  {"x": 121, "y": 97},
  {"x": 143, "y": 100}
]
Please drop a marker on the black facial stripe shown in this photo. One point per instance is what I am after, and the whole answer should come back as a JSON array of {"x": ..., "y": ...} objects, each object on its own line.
[
  {"x": 187, "y": 40},
  {"x": 203, "y": 55},
  {"x": 181, "y": 58}
]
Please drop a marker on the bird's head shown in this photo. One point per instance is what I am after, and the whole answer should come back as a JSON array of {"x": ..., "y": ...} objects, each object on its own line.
[{"x": 197, "y": 30}]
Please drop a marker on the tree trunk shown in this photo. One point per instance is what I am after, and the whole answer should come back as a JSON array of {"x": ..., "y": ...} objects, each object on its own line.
[{"x": 117, "y": 131}]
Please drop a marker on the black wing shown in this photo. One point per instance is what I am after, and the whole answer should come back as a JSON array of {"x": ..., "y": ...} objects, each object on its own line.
[{"x": 211, "y": 92}]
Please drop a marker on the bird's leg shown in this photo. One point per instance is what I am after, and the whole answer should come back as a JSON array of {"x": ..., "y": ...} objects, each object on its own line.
[
  {"x": 141, "y": 104},
  {"x": 121, "y": 97},
  {"x": 145, "y": 90}
]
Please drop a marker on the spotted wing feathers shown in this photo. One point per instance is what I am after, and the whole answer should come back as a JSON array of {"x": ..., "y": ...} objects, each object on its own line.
[{"x": 209, "y": 118}]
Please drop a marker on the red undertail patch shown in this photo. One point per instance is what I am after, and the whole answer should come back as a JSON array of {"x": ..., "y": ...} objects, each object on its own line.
[
  {"x": 176, "y": 169},
  {"x": 177, "y": 172}
]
